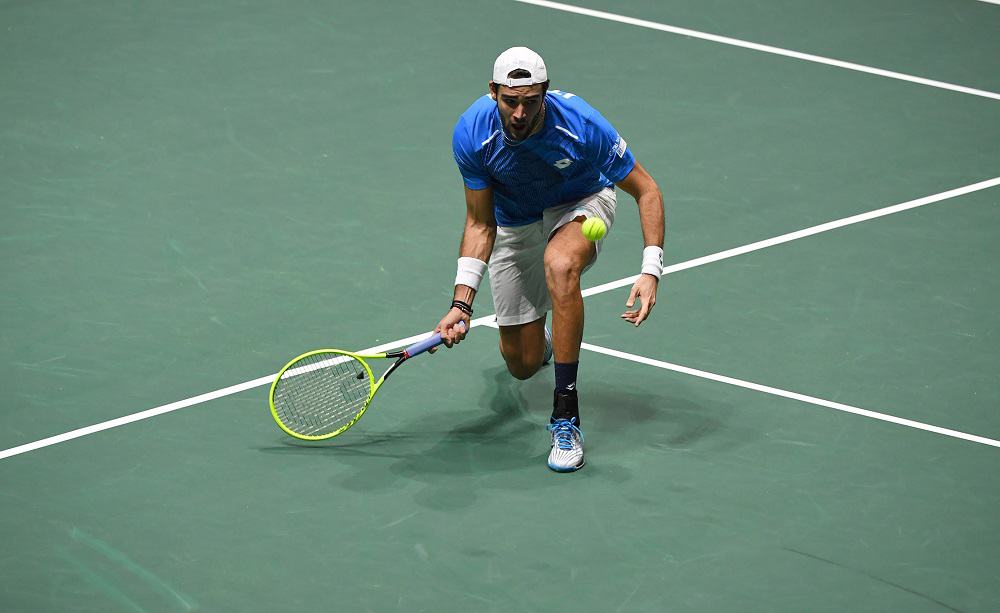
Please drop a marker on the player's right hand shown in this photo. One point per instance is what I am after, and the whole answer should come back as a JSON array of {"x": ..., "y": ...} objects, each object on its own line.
[{"x": 450, "y": 334}]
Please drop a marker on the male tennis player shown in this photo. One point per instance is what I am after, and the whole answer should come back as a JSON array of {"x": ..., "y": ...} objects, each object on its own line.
[{"x": 536, "y": 164}]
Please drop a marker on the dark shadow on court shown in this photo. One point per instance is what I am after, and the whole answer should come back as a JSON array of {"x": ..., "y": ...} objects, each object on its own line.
[
  {"x": 679, "y": 420},
  {"x": 500, "y": 443},
  {"x": 501, "y": 436},
  {"x": 498, "y": 438}
]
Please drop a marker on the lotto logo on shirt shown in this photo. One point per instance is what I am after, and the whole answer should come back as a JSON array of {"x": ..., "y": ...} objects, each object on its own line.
[{"x": 619, "y": 147}]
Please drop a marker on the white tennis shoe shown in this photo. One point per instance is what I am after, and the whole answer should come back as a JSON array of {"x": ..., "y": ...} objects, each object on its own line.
[{"x": 567, "y": 446}]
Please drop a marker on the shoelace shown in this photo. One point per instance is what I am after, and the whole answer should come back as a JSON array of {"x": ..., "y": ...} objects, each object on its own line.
[{"x": 564, "y": 430}]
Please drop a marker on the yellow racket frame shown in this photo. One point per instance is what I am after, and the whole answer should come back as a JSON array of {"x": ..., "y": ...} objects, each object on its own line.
[{"x": 373, "y": 387}]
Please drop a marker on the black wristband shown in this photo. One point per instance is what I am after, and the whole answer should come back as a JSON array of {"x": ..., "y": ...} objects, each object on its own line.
[{"x": 464, "y": 307}]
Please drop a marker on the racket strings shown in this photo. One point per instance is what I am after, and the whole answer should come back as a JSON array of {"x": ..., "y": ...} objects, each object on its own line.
[{"x": 321, "y": 394}]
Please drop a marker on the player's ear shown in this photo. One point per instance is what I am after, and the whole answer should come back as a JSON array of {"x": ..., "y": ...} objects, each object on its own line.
[{"x": 493, "y": 90}]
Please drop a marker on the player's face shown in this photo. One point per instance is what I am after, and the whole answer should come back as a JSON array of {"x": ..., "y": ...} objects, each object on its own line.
[{"x": 520, "y": 109}]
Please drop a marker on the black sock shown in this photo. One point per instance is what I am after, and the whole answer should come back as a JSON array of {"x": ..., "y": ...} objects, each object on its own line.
[{"x": 566, "y": 376}]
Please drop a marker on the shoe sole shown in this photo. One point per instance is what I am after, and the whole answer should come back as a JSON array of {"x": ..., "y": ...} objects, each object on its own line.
[{"x": 567, "y": 469}]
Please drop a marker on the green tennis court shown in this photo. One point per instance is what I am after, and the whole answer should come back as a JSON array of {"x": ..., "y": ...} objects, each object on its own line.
[{"x": 193, "y": 193}]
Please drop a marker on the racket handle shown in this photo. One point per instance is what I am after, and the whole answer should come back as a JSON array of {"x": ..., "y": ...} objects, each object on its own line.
[{"x": 431, "y": 341}]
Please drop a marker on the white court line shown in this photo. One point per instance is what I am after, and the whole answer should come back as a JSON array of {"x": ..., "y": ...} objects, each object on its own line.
[
  {"x": 758, "y": 47},
  {"x": 792, "y": 395},
  {"x": 182, "y": 404},
  {"x": 783, "y": 393},
  {"x": 488, "y": 319},
  {"x": 791, "y": 236}
]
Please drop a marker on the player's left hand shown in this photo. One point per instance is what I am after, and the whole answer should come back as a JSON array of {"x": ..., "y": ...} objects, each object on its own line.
[{"x": 644, "y": 290}]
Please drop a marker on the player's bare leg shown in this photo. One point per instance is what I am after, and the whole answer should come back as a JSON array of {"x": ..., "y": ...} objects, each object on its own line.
[
  {"x": 566, "y": 255},
  {"x": 523, "y": 347}
]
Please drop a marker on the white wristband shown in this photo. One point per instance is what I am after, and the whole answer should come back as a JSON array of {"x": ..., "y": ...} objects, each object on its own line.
[
  {"x": 470, "y": 272},
  {"x": 652, "y": 261}
]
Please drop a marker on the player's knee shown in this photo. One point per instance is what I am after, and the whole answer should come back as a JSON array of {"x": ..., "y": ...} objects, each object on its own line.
[
  {"x": 521, "y": 372},
  {"x": 562, "y": 270},
  {"x": 521, "y": 366}
]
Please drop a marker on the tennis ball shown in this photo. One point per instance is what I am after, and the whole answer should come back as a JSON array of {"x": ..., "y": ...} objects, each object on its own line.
[{"x": 594, "y": 229}]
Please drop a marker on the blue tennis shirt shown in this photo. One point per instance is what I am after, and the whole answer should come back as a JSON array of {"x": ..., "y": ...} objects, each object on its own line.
[{"x": 576, "y": 153}]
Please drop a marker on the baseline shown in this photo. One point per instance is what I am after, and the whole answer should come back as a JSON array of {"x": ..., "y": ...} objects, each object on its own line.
[{"x": 725, "y": 40}]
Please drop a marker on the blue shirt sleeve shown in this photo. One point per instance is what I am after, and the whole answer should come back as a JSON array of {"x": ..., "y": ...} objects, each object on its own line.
[
  {"x": 470, "y": 164},
  {"x": 607, "y": 150}
]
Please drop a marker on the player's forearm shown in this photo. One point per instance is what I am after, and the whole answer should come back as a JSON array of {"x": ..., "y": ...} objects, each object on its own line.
[
  {"x": 651, "y": 217},
  {"x": 477, "y": 243},
  {"x": 477, "y": 240},
  {"x": 647, "y": 195}
]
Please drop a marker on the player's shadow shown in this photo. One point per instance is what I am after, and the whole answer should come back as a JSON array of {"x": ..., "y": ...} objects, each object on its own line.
[
  {"x": 500, "y": 438},
  {"x": 504, "y": 446}
]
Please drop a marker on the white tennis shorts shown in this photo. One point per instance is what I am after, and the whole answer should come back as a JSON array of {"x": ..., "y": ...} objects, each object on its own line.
[{"x": 517, "y": 268}]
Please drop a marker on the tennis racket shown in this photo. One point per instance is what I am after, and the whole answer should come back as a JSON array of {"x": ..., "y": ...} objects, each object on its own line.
[{"x": 322, "y": 393}]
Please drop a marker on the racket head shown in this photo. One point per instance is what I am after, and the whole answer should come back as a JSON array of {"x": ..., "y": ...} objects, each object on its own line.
[{"x": 322, "y": 393}]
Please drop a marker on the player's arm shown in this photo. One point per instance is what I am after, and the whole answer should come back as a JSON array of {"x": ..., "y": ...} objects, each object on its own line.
[
  {"x": 647, "y": 196},
  {"x": 477, "y": 245}
]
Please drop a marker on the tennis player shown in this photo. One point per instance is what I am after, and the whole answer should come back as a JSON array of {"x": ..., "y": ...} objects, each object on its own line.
[{"x": 536, "y": 164}]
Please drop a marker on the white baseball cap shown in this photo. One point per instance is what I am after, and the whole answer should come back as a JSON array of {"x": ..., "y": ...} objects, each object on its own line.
[{"x": 519, "y": 58}]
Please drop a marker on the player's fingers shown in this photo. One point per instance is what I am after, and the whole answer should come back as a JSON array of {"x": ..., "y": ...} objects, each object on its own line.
[
  {"x": 452, "y": 333},
  {"x": 631, "y": 296},
  {"x": 648, "y": 302},
  {"x": 643, "y": 313},
  {"x": 457, "y": 331}
]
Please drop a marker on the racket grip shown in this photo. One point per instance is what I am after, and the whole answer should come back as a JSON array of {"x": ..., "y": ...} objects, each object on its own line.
[{"x": 431, "y": 341}]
